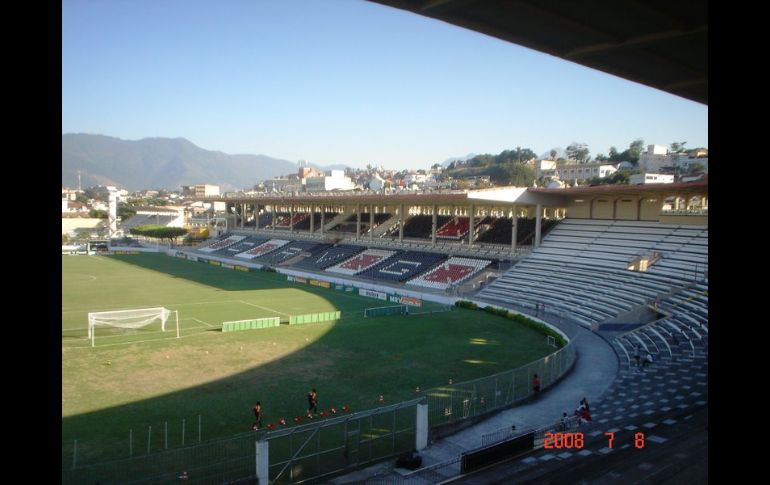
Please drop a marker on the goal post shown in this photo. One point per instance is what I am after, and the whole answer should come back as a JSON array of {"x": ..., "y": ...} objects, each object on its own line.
[
  {"x": 130, "y": 319},
  {"x": 382, "y": 311}
]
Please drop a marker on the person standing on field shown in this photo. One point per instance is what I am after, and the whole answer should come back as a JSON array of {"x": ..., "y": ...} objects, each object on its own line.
[
  {"x": 258, "y": 415},
  {"x": 312, "y": 403}
]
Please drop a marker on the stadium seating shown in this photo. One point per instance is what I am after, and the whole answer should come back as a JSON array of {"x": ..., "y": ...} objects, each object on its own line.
[
  {"x": 328, "y": 257},
  {"x": 403, "y": 265},
  {"x": 291, "y": 250},
  {"x": 145, "y": 219},
  {"x": 361, "y": 262},
  {"x": 680, "y": 339},
  {"x": 262, "y": 249},
  {"x": 450, "y": 273},
  {"x": 241, "y": 246},
  {"x": 422, "y": 226},
  {"x": 581, "y": 268},
  {"x": 230, "y": 239},
  {"x": 454, "y": 229}
]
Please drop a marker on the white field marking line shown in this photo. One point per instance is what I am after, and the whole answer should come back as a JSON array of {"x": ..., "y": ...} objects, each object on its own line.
[
  {"x": 84, "y": 274},
  {"x": 167, "y": 305},
  {"x": 205, "y": 323},
  {"x": 136, "y": 341},
  {"x": 154, "y": 331},
  {"x": 264, "y": 308}
]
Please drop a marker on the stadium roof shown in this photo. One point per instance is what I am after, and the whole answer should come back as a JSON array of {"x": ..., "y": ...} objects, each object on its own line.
[
  {"x": 498, "y": 195},
  {"x": 642, "y": 190},
  {"x": 658, "y": 43}
]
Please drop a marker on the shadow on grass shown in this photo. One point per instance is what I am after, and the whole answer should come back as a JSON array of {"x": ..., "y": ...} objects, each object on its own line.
[{"x": 351, "y": 362}]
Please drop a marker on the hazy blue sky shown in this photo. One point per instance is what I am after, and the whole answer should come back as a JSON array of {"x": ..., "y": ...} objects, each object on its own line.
[{"x": 340, "y": 81}]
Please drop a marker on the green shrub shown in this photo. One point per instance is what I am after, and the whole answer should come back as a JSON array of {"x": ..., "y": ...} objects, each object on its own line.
[{"x": 466, "y": 304}]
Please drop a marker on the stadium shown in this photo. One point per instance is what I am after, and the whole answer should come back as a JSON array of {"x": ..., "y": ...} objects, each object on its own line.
[
  {"x": 467, "y": 328},
  {"x": 416, "y": 316}
]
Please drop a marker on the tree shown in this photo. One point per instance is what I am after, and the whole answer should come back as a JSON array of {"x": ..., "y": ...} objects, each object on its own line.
[
  {"x": 97, "y": 214},
  {"x": 577, "y": 151},
  {"x": 601, "y": 158},
  {"x": 696, "y": 168},
  {"x": 125, "y": 211},
  {"x": 159, "y": 232},
  {"x": 435, "y": 166},
  {"x": 678, "y": 147},
  {"x": 635, "y": 149},
  {"x": 553, "y": 154}
]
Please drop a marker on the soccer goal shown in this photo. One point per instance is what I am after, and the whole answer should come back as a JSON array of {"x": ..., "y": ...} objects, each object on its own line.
[
  {"x": 382, "y": 311},
  {"x": 129, "y": 319}
]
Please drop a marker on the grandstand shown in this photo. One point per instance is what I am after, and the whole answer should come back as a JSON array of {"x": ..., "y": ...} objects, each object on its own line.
[
  {"x": 581, "y": 268},
  {"x": 361, "y": 262},
  {"x": 594, "y": 261},
  {"x": 262, "y": 249},
  {"x": 403, "y": 266},
  {"x": 146, "y": 219},
  {"x": 220, "y": 243},
  {"x": 329, "y": 257},
  {"x": 450, "y": 273},
  {"x": 292, "y": 250}
]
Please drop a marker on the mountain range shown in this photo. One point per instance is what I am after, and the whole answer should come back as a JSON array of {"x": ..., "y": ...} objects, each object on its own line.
[{"x": 162, "y": 163}]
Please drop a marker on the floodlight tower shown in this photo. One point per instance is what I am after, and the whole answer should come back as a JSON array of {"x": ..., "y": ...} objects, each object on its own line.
[{"x": 113, "y": 212}]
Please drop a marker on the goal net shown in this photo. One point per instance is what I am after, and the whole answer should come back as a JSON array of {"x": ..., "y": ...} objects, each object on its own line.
[
  {"x": 382, "y": 311},
  {"x": 129, "y": 319}
]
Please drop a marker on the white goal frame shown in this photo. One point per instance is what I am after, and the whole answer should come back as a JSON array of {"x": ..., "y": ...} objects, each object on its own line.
[
  {"x": 136, "y": 318},
  {"x": 404, "y": 309}
]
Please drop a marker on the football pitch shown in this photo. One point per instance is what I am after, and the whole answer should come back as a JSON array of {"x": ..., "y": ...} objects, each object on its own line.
[{"x": 204, "y": 384}]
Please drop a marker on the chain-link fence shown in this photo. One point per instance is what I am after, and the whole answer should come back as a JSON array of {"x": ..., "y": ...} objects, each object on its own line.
[
  {"x": 215, "y": 461},
  {"x": 317, "y": 450},
  {"x": 463, "y": 400}
]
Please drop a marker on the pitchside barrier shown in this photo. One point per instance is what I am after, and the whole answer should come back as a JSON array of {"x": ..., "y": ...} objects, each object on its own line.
[
  {"x": 256, "y": 323},
  {"x": 314, "y": 317}
]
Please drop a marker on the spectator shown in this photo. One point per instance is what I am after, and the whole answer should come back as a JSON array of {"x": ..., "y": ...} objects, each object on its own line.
[
  {"x": 647, "y": 360},
  {"x": 536, "y": 385}
]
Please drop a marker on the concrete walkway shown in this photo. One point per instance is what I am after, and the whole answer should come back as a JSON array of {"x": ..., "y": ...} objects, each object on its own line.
[{"x": 596, "y": 367}]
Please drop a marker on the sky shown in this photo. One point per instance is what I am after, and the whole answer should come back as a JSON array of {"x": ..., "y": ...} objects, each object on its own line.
[{"x": 341, "y": 82}]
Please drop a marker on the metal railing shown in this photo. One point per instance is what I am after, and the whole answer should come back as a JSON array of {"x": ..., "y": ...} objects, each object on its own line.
[
  {"x": 318, "y": 450},
  {"x": 468, "y": 399}
]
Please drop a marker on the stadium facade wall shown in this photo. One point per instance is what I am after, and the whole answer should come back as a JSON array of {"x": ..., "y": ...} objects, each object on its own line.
[
  {"x": 579, "y": 210},
  {"x": 625, "y": 209},
  {"x": 602, "y": 209},
  {"x": 649, "y": 210},
  {"x": 141, "y": 250},
  {"x": 207, "y": 258}
]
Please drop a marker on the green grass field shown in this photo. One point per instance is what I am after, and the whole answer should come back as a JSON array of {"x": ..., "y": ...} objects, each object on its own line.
[{"x": 135, "y": 379}]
